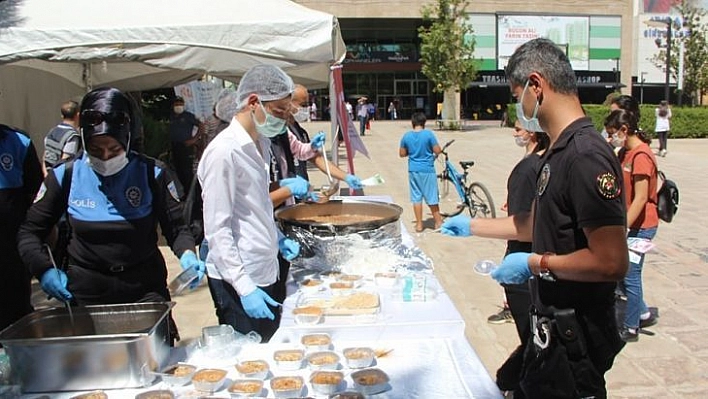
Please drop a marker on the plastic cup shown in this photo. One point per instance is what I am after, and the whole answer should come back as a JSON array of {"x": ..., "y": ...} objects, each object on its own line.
[{"x": 485, "y": 267}]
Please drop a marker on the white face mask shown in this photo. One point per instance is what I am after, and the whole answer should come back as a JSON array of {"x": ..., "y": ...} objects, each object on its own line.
[
  {"x": 618, "y": 141},
  {"x": 179, "y": 109},
  {"x": 521, "y": 141},
  {"x": 108, "y": 167},
  {"x": 272, "y": 126},
  {"x": 302, "y": 114},
  {"x": 529, "y": 124}
]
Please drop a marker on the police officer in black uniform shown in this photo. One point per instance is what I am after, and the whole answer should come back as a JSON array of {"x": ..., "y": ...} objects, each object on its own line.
[
  {"x": 20, "y": 177},
  {"x": 113, "y": 199},
  {"x": 579, "y": 229},
  {"x": 579, "y": 247}
]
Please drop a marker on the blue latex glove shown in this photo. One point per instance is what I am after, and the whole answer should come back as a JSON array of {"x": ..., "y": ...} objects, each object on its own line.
[
  {"x": 289, "y": 248},
  {"x": 353, "y": 182},
  {"x": 297, "y": 185},
  {"x": 189, "y": 260},
  {"x": 514, "y": 269},
  {"x": 54, "y": 283},
  {"x": 313, "y": 196},
  {"x": 457, "y": 226},
  {"x": 318, "y": 141},
  {"x": 256, "y": 304}
]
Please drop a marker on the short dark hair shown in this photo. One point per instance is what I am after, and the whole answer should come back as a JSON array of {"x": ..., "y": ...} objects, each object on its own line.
[
  {"x": 418, "y": 119},
  {"x": 178, "y": 99},
  {"x": 69, "y": 109},
  {"x": 545, "y": 58},
  {"x": 628, "y": 103}
]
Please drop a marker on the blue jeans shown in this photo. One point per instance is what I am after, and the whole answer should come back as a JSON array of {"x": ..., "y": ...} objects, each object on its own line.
[
  {"x": 362, "y": 125},
  {"x": 633, "y": 283}
]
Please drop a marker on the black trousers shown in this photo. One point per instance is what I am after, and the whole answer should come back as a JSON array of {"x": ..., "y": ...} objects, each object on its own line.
[
  {"x": 15, "y": 287},
  {"x": 182, "y": 162},
  {"x": 662, "y": 139},
  {"x": 518, "y": 297},
  {"x": 229, "y": 310}
]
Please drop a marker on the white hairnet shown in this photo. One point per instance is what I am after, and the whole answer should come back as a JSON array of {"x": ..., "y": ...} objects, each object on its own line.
[
  {"x": 268, "y": 82},
  {"x": 226, "y": 105}
]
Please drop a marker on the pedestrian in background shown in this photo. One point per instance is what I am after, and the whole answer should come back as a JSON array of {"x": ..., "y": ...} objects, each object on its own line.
[
  {"x": 184, "y": 129},
  {"x": 662, "y": 127},
  {"x": 63, "y": 141},
  {"x": 421, "y": 147},
  {"x": 640, "y": 188},
  {"x": 362, "y": 113}
]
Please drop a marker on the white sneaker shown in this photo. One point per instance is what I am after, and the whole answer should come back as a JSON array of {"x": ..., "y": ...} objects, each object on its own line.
[{"x": 662, "y": 153}]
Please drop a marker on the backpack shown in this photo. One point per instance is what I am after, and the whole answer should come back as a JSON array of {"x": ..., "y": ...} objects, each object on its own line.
[
  {"x": 667, "y": 197},
  {"x": 193, "y": 211},
  {"x": 54, "y": 144}
]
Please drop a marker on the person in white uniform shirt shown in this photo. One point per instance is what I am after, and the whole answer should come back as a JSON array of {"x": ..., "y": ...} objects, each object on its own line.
[{"x": 242, "y": 264}]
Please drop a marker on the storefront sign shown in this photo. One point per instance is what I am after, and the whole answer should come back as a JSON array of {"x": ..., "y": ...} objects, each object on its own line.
[{"x": 570, "y": 33}]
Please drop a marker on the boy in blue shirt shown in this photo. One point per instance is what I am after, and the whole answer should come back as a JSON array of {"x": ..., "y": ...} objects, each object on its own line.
[{"x": 421, "y": 147}]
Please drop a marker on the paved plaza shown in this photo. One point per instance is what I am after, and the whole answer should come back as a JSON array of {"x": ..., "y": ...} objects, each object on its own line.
[{"x": 673, "y": 363}]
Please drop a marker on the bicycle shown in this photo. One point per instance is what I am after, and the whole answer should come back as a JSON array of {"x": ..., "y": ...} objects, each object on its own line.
[{"x": 475, "y": 197}]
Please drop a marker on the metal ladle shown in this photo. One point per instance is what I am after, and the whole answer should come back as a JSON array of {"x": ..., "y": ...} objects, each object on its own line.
[{"x": 327, "y": 190}]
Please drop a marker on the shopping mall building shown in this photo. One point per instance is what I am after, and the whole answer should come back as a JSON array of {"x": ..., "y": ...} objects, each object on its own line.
[{"x": 608, "y": 43}]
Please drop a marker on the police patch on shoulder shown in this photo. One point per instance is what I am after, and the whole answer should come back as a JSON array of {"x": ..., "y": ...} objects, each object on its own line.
[
  {"x": 543, "y": 179},
  {"x": 173, "y": 190},
  {"x": 608, "y": 186},
  {"x": 40, "y": 193},
  {"x": 133, "y": 195},
  {"x": 7, "y": 162}
]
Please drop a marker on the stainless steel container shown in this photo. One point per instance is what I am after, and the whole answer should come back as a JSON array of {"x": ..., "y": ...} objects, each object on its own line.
[
  {"x": 106, "y": 347},
  {"x": 329, "y": 245}
]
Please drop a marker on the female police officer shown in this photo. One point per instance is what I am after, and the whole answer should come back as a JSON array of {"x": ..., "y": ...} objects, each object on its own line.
[{"x": 113, "y": 199}]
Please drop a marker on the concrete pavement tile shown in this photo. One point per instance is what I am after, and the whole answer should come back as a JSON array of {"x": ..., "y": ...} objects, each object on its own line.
[
  {"x": 693, "y": 340},
  {"x": 691, "y": 391},
  {"x": 675, "y": 371},
  {"x": 617, "y": 381},
  {"x": 649, "y": 346},
  {"x": 672, "y": 316}
]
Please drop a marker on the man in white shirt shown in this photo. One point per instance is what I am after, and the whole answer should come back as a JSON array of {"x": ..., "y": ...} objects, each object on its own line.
[{"x": 243, "y": 239}]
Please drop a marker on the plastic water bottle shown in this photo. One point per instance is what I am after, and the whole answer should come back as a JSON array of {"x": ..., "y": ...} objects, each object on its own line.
[{"x": 485, "y": 267}]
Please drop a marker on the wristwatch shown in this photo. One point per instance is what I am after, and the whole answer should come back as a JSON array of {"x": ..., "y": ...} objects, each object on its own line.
[{"x": 543, "y": 272}]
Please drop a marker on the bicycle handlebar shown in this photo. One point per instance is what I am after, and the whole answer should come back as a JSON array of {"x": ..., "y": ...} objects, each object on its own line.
[{"x": 447, "y": 145}]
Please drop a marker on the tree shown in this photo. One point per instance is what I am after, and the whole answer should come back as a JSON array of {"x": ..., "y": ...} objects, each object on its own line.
[
  {"x": 447, "y": 51},
  {"x": 694, "y": 38}
]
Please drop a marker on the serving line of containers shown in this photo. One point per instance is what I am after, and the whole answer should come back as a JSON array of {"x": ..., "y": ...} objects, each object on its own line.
[{"x": 394, "y": 306}]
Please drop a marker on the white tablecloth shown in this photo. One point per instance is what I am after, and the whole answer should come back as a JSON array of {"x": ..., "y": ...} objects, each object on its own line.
[
  {"x": 397, "y": 319},
  {"x": 430, "y": 359}
]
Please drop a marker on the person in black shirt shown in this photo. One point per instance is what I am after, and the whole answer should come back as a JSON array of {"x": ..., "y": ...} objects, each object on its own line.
[
  {"x": 185, "y": 130},
  {"x": 521, "y": 190},
  {"x": 113, "y": 199},
  {"x": 20, "y": 177},
  {"x": 578, "y": 230}
]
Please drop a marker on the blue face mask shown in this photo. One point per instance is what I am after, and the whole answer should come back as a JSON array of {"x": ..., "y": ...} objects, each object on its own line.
[
  {"x": 272, "y": 126},
  {"x": 529, "y": 124}
]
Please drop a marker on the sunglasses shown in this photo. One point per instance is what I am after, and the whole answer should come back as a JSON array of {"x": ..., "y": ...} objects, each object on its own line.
[{"x": 92, "y": 117}]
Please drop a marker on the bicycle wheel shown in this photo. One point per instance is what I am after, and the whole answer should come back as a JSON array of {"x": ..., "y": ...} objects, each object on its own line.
[
  {"x": 481, "y": 204},
  {"x": 449, "y": 200}
]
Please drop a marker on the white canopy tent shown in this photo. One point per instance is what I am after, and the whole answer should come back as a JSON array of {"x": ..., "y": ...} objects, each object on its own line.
[{"x": 52, "y": 51}]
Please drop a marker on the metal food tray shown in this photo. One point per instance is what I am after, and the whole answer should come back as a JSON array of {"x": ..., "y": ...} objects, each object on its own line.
[{"x": 106, "y": 347}]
